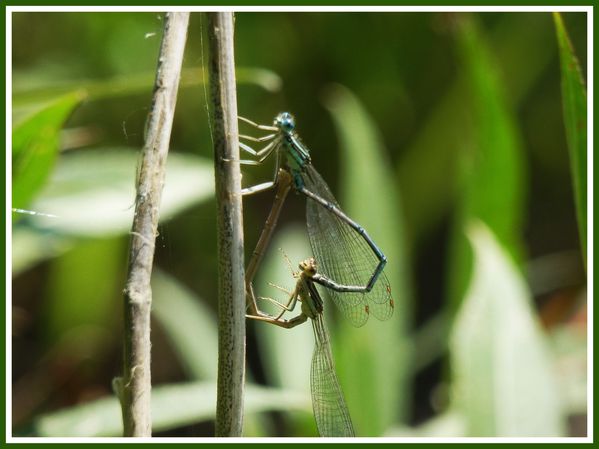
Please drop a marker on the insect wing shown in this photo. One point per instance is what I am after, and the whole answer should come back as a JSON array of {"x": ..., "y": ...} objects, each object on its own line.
[
  {"x": 330, "y": 411},
  {"x": 344, "y": 256}
]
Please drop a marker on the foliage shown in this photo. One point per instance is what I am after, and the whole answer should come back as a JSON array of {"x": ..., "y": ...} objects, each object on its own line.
[
  {"x": 431, "y": 129},
  {"x": 500, "y": 389},
  {"x": 575, "y": 120}
]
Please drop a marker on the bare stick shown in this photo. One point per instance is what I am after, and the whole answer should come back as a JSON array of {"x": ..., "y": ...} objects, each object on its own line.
[
  {"x": 134, "y": 388},
  {"x": 231, "y": 294},
  {"x": 283, "y": 186}
]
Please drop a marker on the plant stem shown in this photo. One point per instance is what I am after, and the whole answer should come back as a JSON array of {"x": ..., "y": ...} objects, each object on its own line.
[
  {"x": 134, "y": 389},
  {"x": 231, "y": 291}
]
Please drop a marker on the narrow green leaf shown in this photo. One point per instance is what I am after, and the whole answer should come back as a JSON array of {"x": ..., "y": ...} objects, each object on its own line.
[
  {"x": 188, "y": 323},
  {"x": 92, "y": 192},
  {"x": 35, "y": 146},
  {"x": 138, "y": 83},
  {"x": 375, "y": 358},
  {"x": 502, "y": 372},
  {"x": 172, "y": 406},
  {"x": 574, "y": 100},
  {"x": 520, "y": 41},
  {"x": 492, "y": 184}
]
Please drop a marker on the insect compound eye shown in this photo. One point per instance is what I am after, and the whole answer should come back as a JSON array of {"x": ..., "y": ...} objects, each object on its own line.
[{"x": 285, "y": 121}]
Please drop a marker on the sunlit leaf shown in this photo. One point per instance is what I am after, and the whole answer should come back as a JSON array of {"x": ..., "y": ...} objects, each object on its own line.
[
  {"x": 92, "y": 192},
  {"x": 492, "y": 184},
  {"x": 188, "y": 323},
  {"x": 138, "y": 83},
  {"x": 574, "y": 99},
  {"x": 450, "y": 424},
  {"x": 172, "y": 406},
  {"x": 29, "y": 246},
  {"x": 372, "y": 355},
  {"x": 35, "y": 145},
  {"x": 502, "y": 373}
]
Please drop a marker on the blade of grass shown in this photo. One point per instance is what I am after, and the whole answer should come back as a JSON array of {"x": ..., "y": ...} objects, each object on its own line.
[
  {"x": 188, "y": 323},
  {"x": 173, "y": 406},
  {"x": 492, "y": 184},
  {"x": 137, "y": 83},
  {"x": 91, "y": 192},
  {"x": 35, "y": 146},
  {"x": 502, "y": 371},
  {"x": 521, "y": 40},
  {"x": 89, "y": 195},
  {"x": 574, "y": 99},
  {"x": 374, "y": 362}
]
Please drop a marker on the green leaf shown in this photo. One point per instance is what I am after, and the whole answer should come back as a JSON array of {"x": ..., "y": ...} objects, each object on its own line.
[
  {"x": 35, "y": 145},
  {"x": 172, "y": 406},
  {"x": 502, "y": 372},
  {"x": 264, "y": 78},
  {"x": 139, "y": 83},
  {"x": 574, "y": 99},
  {"x": 188, "y": 323},
  {"x": 80, "y": 293},
  {"x": 520, "y": 42},
  {"x": 30, "y": 246},
  {"x": 92, "y": 192},
  {"x": 492, "y": 182},
  {"x": 374, "y": 360}
]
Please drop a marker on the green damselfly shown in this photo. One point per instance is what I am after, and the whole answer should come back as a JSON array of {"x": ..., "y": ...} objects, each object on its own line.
[
  {"x": 351, "y": 263},
  {"x": 328, "y": 403}
]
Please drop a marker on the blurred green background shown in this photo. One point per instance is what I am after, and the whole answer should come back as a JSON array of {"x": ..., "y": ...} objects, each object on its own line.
[{"x": 442, "y": 133}]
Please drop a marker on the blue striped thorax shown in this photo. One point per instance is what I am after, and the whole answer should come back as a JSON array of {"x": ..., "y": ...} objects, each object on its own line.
[{"x": 297, "y": 155}]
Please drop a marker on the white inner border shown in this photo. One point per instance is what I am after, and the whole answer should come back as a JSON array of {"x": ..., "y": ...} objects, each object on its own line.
[{"x": 590, "y": 286}]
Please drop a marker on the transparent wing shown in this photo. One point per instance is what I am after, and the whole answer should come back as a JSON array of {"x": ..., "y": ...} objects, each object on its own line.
[
  {"x": 344, "y": 257},
  {"x": 328, "y": 403}
]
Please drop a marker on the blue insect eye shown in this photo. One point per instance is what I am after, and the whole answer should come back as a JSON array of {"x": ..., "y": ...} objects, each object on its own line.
[{"x": 285, "y": 121}]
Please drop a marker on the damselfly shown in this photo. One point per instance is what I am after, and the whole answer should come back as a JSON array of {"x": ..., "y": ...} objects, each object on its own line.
[
  {"x": 351, "y": 263},
  {"x": 330, "y": 411}
]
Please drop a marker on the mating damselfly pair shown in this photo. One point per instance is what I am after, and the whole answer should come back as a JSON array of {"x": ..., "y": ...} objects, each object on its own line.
[{"x": 350, "y": 264}]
